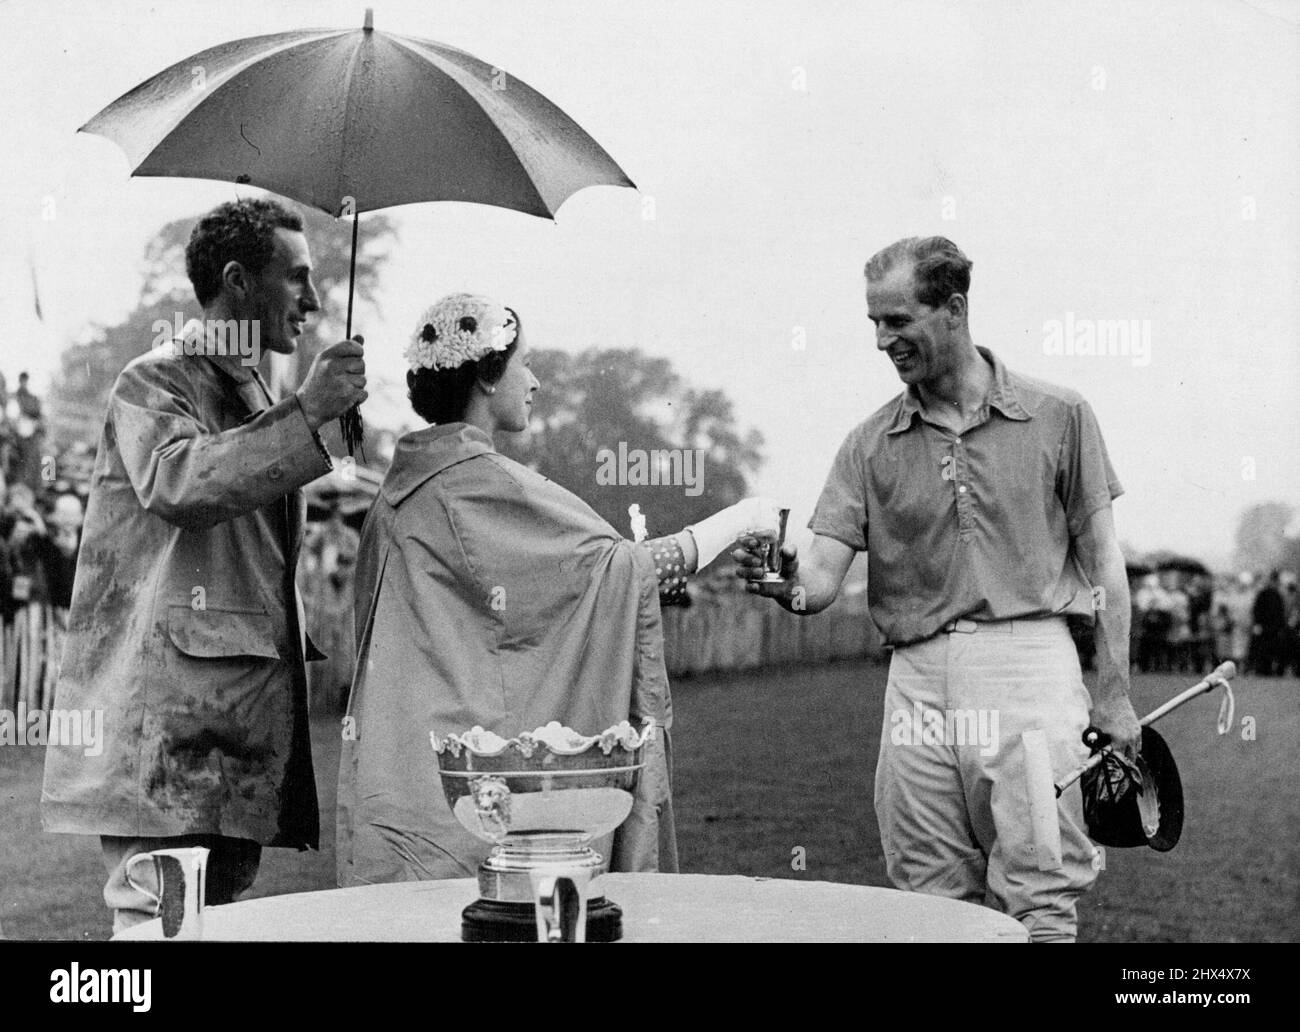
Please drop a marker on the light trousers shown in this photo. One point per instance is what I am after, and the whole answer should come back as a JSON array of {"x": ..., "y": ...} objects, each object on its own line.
[{"x": 952, "y": 796}]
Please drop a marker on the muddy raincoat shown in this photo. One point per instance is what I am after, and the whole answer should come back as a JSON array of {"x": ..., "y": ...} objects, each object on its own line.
[{"x": 185, "y": 629}]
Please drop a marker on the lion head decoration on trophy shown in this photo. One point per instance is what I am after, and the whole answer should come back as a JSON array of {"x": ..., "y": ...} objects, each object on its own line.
[{"x": 541, "y": 799}]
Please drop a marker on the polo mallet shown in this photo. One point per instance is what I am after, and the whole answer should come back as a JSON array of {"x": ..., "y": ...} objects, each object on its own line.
[
  {"x": 1042, "y": 804},
  {"x": 1219, "y": 678}
]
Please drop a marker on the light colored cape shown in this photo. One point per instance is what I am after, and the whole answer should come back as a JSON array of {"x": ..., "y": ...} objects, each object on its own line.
[{"x": 488, "y": 595}]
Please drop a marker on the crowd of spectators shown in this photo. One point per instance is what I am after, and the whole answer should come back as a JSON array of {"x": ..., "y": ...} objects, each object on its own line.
[
  {"x": 1192, "y": 622},
  {"x": 42, "y": 504}
]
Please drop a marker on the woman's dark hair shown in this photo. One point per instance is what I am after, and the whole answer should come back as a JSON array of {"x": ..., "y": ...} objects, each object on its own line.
[{"x": 443, "y": 395}]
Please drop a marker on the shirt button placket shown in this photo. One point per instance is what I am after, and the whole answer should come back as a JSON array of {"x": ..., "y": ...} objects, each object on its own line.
[{"x": 965, "y": 513}]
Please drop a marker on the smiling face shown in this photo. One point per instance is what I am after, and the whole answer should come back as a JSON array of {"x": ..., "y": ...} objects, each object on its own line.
[
  {"x": 512, "y": 403},
  {"x": 282, "y": 295},
  {"x": 921, "y": 341}
]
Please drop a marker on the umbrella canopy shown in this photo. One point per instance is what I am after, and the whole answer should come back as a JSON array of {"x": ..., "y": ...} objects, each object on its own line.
[
  {"x": 352, "y": 120},
  {"x": 324, "y": 115}
]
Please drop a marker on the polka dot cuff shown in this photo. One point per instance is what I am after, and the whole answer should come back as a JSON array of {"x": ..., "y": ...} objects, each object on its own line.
[{"x": 670, "y": 568}]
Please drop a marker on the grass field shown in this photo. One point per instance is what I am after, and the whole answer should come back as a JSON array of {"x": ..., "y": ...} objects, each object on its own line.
[{"x": 783, "y": 758}]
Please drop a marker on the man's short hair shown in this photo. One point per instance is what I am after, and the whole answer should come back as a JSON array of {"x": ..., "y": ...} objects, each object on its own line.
[
  {"x": 939, "y": 268},
  {"x": 239, "y": 231}
]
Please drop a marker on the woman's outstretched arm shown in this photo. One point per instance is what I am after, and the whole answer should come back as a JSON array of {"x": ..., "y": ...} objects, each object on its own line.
[{"x": 679, "y": 555}]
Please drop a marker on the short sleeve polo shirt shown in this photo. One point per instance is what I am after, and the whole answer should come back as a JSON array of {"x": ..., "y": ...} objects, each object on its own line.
[{"x": 976, "y": 526}]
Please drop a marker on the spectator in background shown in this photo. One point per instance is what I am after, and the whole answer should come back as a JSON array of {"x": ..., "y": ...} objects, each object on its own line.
[
  {"x": 1178, "y": 633},
  {"x": 1221, "y": 621},
  {"x": 1293, "y": 628},
  {"x": 28, "y": 436},
  {"x": 26, "y": 536},
  {"x": 29, "y": 404},
  {"x": 1240, "y": 602},
  {"x": 28, "y": 541},
  {"x": 1152, "y": 605},
  {"x": 8, "y": 445},
  {"x": 328, "y": 570},
  {"x": 8, "y": 604},
  {"x": 61, "y": 554},
  {"x": 1269, "y": 616},
  {"x": 1200, "y": 591}
]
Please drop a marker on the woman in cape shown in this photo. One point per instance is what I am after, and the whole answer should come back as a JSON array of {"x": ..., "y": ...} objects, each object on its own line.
[{"x": 487, "y": 595}]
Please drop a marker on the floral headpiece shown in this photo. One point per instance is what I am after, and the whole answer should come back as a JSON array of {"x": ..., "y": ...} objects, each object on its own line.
[{"x": 458, "y": 329}]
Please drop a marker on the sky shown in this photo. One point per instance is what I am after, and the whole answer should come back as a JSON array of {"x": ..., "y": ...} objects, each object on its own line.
[{"x": 1101, "y": 164}]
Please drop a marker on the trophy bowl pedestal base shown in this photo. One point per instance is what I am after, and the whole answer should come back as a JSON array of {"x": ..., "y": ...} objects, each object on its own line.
[{"x": 490, "y": 920}]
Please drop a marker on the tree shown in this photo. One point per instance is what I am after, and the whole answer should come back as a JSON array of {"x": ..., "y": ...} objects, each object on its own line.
[
  {"x": 619, "y": 428},
  {"x": 1261, "y": 536},
  {"x": 80, "y": 391}
]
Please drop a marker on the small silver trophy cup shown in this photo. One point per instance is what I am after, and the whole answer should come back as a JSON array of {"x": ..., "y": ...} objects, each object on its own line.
[
  {"x": 176, "y": 886},
  {"x": 541, "y": 799},
  {"x": 772, "y": 552}
]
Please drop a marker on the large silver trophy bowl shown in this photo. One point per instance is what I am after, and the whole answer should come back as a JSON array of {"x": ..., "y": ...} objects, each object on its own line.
[{"x": 541, "y": 799}]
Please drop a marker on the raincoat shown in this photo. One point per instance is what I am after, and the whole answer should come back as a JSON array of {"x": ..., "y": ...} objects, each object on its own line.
[
  {"x": 185, "y": 629},
  {"x": 489, "y": 596}
]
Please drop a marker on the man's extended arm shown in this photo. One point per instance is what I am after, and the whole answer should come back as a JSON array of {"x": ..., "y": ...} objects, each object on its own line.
[
  {"x": 808, "y": 586},
  {"x": 1103, "y": 564}
]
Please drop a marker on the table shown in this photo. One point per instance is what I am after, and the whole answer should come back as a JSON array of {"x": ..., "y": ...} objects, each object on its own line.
[{"x": 656, "y": 908}]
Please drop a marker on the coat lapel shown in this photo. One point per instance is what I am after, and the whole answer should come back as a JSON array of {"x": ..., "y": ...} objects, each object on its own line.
[
  {"x": 246, "y": 381},
  {"x": 252, "y": 395}
]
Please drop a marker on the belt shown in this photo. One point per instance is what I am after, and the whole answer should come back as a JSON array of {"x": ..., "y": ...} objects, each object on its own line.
[
  {"x": 1022, "y": 625},
  {"x": 985, "y": 626}
]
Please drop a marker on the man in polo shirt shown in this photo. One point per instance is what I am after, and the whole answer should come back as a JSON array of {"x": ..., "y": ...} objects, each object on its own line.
[{"x": 983, "y": 501}]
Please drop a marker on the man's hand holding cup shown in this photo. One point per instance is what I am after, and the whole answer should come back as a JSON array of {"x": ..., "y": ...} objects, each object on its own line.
[
  {"x": 763, "y": 559},
  {"x": 768, "y": 567}
]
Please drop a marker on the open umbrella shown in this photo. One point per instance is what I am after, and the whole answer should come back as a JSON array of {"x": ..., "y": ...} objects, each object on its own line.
[{"x": 353, "y": 120}]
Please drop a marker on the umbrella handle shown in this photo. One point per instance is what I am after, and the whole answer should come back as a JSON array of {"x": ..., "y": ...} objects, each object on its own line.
[
  {"x": 352, "y": 269},
  {"x": 350, "y": 425}
]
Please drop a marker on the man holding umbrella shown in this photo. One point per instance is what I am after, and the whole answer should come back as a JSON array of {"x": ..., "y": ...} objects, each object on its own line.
[
  {"x": 983, "y": 501},
  {"x": 185, "y": 630}
]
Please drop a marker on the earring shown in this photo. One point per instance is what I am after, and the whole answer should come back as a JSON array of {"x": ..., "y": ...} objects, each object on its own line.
[{"x": 490, "y": 390}]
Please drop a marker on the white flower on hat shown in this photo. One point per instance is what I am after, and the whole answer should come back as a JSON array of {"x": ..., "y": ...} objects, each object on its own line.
[{"x": 458, "y": 329}]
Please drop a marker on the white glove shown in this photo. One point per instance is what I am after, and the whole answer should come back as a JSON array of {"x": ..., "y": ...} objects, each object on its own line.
[{"x": 713, "y": 535}]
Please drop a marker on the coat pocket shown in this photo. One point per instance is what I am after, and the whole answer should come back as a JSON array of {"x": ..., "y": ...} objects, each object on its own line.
[
  {"x": 221, "y": 633},
  {"x": 218, "y": 725}
]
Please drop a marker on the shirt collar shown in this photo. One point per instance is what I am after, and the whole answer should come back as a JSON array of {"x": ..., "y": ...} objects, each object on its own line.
[{"x": 1002, "y": 396}]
